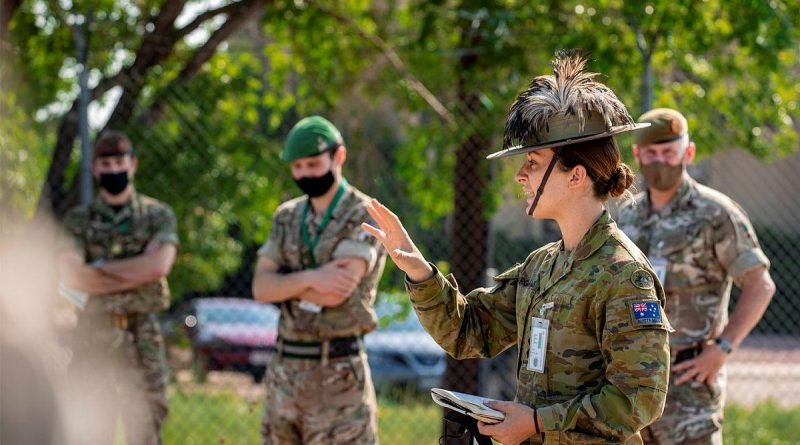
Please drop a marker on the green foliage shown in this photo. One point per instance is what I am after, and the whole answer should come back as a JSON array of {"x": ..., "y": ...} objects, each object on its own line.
[
  {"x": 23, "y": 157},
  {"x": 200, "y": 418},
  {"x": 210, "y": 160},
  {"x": 213, "y": 154},
  {"x": 726, "y": 65}
]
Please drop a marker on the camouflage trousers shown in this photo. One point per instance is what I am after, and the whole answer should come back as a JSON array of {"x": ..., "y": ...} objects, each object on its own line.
[
  {"x": 118, "y": 373},
  {"x": 308, "y": 403},
  {"x": 692, "y": 414},
  {"x": 712, "y": 439}
]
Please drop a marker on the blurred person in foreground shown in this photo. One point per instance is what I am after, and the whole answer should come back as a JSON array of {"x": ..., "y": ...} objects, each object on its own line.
[
  {"x": 699, "y": 241},
  {"x": 322, "y": 269},
  {"x": 118, "y": 250},
  {"x": 585, "y": 311},
  {"x": 33, "y": 406}
]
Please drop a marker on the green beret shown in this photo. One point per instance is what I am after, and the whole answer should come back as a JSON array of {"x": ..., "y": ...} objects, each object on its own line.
[
  {"x": 666, "y": 125},
  {"x": 310, "y": 137}
]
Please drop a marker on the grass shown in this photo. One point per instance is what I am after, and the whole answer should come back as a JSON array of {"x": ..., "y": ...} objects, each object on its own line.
[
  {"x": 199, "y": 418},
  {"x": 766, "y": 424}
]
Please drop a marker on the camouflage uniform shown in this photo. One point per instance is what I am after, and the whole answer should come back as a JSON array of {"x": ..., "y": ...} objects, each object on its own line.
[
  {"x": 119, "y": 362},
  {"x": 708, "y": 242},
  {"x": 605, "y": 370},
  {"x": 309, "y": 401}
]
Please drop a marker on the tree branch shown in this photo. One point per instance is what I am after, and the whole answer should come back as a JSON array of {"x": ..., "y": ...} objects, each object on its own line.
[
  {"x": 245, "y": 11},
  {"x": 397, "y": 63},
  {"x": 7, "y": 10},
  {"x": 153, "y": 49},
  {"x": 211, "y": 13},
  {"x": 641, "y": 41}
]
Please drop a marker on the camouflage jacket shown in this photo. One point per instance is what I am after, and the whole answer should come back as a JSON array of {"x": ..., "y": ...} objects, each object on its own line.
[
  {"x": 708, "y": 242},
  {"x": 343, "y": 237},
  {"x": 606, "y": 366},
  {"x": 101, "y": 233}
]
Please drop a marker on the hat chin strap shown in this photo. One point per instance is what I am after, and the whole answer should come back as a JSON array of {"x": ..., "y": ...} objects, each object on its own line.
[{"x": 542, "y": 184}]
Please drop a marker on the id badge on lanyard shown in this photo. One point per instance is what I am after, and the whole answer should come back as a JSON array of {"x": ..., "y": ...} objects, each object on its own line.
[
  {"x": 659, "y": 263},
  {"x": 308, "y": 306},
  {"x": 537, "y": 350}
]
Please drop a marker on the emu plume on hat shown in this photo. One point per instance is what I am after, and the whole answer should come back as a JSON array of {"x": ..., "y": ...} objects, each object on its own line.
[{"x": 565, "y": 108}]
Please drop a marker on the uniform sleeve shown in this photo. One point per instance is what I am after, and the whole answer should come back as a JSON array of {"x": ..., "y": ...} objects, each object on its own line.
[
  {"x": 166, "y": 230},
  {"x": 357, "y": 243},
  {"x": 480, "y": 324},
  {"x": 736, "y": 245},
  {"x": 271, "y": 248},
  {"x": 635, "y": 346},
  {"x": 70, "y": 237}
]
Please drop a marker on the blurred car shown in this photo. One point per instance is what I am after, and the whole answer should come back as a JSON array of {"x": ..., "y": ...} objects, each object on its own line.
[
  {"x": 231, "y": 334},
  {"x": 402, "y": 354}
]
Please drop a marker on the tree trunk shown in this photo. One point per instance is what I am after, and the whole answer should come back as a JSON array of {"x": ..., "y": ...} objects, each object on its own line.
[
  {"x": 470, "y": 226},
  {"x": 7, "y": 9},
  {"x": 156, "y": 47},
  {"x": 647, "y": 83}
]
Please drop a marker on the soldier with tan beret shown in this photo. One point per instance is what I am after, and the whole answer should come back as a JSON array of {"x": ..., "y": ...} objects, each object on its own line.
[{"x": 700, "y": 242}]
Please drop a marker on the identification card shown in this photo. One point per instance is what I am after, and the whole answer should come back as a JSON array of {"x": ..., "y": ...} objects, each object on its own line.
[
  {"x": 659, "y": 264},
  {"x": 74, "y": 296},
  {"x": 309, "y": 306},
  {"x": 538, "y": 347}
]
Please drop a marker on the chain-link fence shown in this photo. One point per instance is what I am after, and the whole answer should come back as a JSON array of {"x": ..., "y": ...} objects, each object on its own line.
[{"x": 211, "y": 153}]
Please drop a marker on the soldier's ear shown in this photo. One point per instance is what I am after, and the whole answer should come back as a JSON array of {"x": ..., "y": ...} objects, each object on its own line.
[
  {"x": 340, "y": 156},
  {"x": 635, "y": 151},
  {"x": 577, "y": 176},
  {"x": 95, "y": 169},
  {"x": 134, "y": 166},
  {"x": 691, "y": 149}
]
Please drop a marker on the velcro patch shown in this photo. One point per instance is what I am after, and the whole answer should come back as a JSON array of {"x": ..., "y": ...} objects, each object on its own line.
[
  {"x": 642, "y": 279},
  {"x": 645, "y": 312}
]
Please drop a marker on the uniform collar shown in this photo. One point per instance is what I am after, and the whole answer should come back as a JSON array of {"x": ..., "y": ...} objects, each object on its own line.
[
  {"x": 592, "y": 240},
  {"x": 337, "y": 212},
  {"x": 595, "y": 237},
  {"x": 131, "y": 207}
]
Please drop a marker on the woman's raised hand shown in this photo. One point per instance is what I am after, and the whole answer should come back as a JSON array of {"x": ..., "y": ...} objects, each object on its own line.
[{"x": 391, "y": 233}]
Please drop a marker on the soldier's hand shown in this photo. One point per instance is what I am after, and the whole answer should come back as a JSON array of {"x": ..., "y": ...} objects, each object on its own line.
[
  {"x": 703, "y": 368},
  {"x": 391, "y": 233},
  {"x": 335, "y": 279},
  {"x": 515, "y": 428}
]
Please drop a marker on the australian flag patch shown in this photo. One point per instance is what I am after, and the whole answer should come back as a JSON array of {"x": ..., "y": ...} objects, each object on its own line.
[{"x": 646, "y": 312}]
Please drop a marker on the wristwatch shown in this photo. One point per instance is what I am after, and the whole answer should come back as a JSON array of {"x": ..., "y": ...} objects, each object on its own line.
[{"x": 723, "y": 344}]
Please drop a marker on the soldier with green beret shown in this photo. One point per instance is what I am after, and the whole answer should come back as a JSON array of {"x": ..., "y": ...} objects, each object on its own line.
[
  {"x": 118, "y": 251},
  {"x": 585, "y": 311},
  {"x": 322, "y": 269},
  {"x": 699, "y": 241}
]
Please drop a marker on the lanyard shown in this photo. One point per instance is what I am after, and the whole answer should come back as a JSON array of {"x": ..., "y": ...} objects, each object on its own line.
[{"x": 312, "y": 243}]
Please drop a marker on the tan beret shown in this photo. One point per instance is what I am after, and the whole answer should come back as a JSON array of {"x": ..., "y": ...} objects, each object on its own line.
[{"x": 666, "y": 125}]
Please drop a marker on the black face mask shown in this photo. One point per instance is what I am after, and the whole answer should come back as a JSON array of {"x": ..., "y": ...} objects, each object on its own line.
[
  {"x": 114, "y": 183},
  {"x": 315, "y": 186}
]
